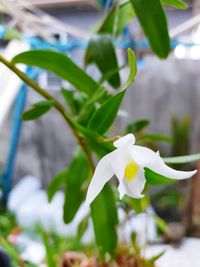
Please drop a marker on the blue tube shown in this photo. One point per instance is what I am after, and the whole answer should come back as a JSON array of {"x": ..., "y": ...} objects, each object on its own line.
[{"x": 7, "y": 176}]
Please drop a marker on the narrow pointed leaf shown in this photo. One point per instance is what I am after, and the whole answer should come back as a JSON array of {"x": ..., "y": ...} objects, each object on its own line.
[
  {"x": 45, "y": 103},
  {"x": 101, "y": 52},
  {"x": 100, "y": 148},
  {"x": 35, "y": 113},
  {"x": 175, "y": 3},
  {"x": 182, "y": 159},
  {"x": 83, "y": 226},
  {"x": 48, "y": 248},
  {"x": 89, "y": 106},
  {"x": 38, "y": 110},
  {"x": 161, "y": 224},
  {"x": 153, "y": 21},
  {"x": 181, "y": 136},
  {"x": 77, "y": 173},
  {"x": 69, "y": 99},
  {"x": 85, "y": 131},
  {"x": 104, "y": 217},
  {"x": 133, "y": 69},
  {"x": 150, "y": 262},
  {"x": 106, "y": 114},
  {"x": 156, "y": 137},
  {"x": 61, "y": 65},
  {"x": 124, "y": 13},
  {"x": 56, "y": 183},
  {"x": 109, "y": 74},
  {"x": 137, "y": 126}
]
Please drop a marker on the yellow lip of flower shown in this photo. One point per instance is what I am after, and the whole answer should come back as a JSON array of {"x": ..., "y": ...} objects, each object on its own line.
[{"x": 131, "y": 170}]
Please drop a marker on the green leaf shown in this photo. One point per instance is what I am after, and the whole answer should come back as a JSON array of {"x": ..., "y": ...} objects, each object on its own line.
[
  {"x": 161, "y": 224},
  {"x": 106, "y": 114},
  {"x": 69, "y": 99},
  {"x": 101, "y": 148},
  {"x": 48, "y": 248},
  {"x": 153, "y": 178},
  {"x": 56, "y": 184},
  {"x": 82, "y": 227},
  {"x": 156, "y": 137},
  {"x": 11, "y": 250},
  {"x": 175, "y": 3},
  {"x": 181, "y": 136},
  {"x": 101, "y": 52},
  {"x": 124, "y": 13},
  {"x": 137, "y": 204},
  {"x": 77, "y": 173},
  {"x": 182, "y": 159},
  {"x": 152, "y": 18},
  {"x": 38, "y": 110},
  {"x": 109, "y": 74},
  {"x": 133, "y": 69},
  {"x": 45, "y": 103},
  {"x": 89, "y": 106},
  {"x": 104, "y": 216},
  {"x": 137, "y": 126},
  {"x": 150, "y": 262},
  {"x": 159, "y": 137},
  {"x": 61, "y": 65},
  {"x": 85, "y": 131}
]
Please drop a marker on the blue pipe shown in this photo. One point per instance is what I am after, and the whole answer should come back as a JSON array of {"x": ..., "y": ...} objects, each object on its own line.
[{"x": 7, "y": 176}]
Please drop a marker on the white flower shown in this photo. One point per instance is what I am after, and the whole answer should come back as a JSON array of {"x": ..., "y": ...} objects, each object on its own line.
[{"x": 127, "y": 162}]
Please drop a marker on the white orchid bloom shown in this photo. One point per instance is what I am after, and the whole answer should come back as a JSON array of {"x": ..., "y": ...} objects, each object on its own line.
[{"x": 127, "y": 162}]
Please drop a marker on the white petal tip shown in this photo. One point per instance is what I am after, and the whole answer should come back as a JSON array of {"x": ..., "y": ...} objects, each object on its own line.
[
  {"x": 194, "y": 172},
  {"x": 189, "y": 174},
  {"x": 128, "y": 139},
  {"x": 158, "y": 153}
]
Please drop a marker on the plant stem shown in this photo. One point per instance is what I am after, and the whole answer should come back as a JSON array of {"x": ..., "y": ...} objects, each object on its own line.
[{"x": 58, "y": 106}]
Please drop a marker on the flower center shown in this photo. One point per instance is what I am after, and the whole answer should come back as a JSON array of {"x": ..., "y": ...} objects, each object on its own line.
[{"x": 131, "y": 171}]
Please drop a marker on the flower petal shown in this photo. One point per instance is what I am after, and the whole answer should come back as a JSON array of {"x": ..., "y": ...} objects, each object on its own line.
[
  {"x": 133, "y": 188},
  {"x": 126, "y": 140},
  {"x": 148, "y": 158},
  {"x": 158, "y": 165},
  {"x": 142, "y": 155},
  {"x": 121, "y": 189},
  {"x": 103, "y": 173},
  {"x": 121, "y": 159}
]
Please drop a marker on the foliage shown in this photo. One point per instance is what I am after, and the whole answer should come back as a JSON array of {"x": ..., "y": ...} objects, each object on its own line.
[
  {"x": 98, "y": 49},
  {"x": 91, "y": 109},
  {"x": 54, "y": 244},
  {"x": 153, "y": 21}
]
